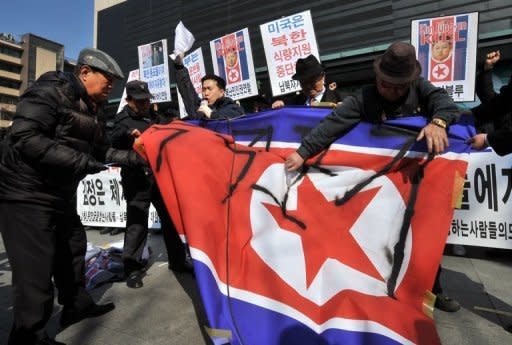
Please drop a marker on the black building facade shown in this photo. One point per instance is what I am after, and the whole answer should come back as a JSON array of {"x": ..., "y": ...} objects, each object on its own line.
[{"x": 349, "y": 33}]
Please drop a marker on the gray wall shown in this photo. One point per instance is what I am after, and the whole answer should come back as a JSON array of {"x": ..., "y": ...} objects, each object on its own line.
[{"x": 350, "y": 33}]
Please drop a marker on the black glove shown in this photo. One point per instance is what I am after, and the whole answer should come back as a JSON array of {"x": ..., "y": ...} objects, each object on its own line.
[
  {"x": 93, "y": 166},
  {"x": 136, "y": 161},
  {"x": 126, "y": 158}
]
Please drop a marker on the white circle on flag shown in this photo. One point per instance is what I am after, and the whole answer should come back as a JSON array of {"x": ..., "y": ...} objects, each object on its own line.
[{"x": 376, "y": 231}]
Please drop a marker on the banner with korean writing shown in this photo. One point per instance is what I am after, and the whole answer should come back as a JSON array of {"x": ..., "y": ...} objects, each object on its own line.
[
  {"x": 446, "y": 49},
  {"x": 483, "y": 218},
  {"x": 194, "y": 62},
  {"x": 100, "y": 201},
  {"x": 133, "y": 75},
  {"x": 154, "y": 69},
  {"x": 285, "y": 40},
  {"x": 232, "y": 60}
]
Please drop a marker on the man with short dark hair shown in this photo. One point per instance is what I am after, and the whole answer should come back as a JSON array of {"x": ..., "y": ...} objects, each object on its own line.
[
  {"x": 214, "y": 105},
  {"x": 56, "y": 139},
  {"x": 398, "y": 92},
  {"x": 140, "y": 189},
  {"x": 311, "y": 75}
]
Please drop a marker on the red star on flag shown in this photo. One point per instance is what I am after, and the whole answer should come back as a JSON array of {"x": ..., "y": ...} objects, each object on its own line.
[
  {"x": 233, "y": 75},
  {"x": 440, "y": 71},
  {"x": 327, "y": 233}
]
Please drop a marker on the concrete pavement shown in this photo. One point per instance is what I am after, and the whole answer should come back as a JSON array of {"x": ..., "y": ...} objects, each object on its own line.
[{"x": 168, "y": 311}]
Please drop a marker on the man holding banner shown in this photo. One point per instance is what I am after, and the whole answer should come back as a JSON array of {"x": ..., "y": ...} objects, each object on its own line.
[
  {"x": 496, "y": 108},
  {"x": 399, "y": 92},
  {"x": 56, "y": 139},
  {"x": 140, "y": 189},
  {"x": 214, "y": 104}
]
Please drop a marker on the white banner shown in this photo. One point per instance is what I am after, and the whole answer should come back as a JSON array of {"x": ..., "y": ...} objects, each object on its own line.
[
  {"x": 194, "y": 62},
  {"x": 484, "y": 218},
  {"x": 285, "y": 40},
  {"x": 100, "y": 201},
  {"x": 154, "y": 69},
  {"x": 446, "y": 49},
  {"x": 232, "y": 60}
]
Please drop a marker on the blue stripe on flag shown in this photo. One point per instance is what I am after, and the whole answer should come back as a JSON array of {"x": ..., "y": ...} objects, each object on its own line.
[
  {"x": 290, "y": 124},
  {"x": 423, "y": 52},
  {"x": 461, "y": 50},
  {"x": 220, "y": 59},
  {"x": 258, "y": 325},
  {"x": 242, "y": 55}
]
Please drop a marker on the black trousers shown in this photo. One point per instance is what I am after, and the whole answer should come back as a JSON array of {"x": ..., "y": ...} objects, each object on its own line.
[
  {"x": 41, "y": 244},
  {"x": 137, "y": 192},
  {"x": 173, "y": 243},
  {"x": 140, "y": 191},
  {"x": 437, "y": 289}
]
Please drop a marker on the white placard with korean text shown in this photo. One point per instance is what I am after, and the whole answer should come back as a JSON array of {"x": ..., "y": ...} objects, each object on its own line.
[
  {"x": 154, "y": 69},
  {"x": 133, "y": 75},
  {"x": 485, "y": 216},
  {"x": 100, "y": 201},
  {"x": 194, "y": 62},
  {"x": 446, "y": 48},
  {"x": 232, "y": 60},
  {"x": 285, "y": 40}
]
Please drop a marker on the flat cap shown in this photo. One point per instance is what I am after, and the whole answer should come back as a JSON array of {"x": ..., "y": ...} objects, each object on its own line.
[
  {"x": 138, "y": 89},
  {"x": 100, "y": 60}
]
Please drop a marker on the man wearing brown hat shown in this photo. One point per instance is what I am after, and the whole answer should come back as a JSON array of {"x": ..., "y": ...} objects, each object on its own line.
[
  {"x": 311, "y": 75},
  {"x": 140, "y": 189},
  {"x": 398, "y": 92}
]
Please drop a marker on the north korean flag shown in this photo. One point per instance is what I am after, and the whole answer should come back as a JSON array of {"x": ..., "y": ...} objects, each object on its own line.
[{"x": 343, "y": 252}]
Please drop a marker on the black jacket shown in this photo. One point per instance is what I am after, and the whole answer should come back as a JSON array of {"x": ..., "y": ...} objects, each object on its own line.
[
  {"x": 125, "y": 122},
  {"x": 224, "y": 107},
  {"x": 485, "y": 90},
  {"x": 56, "y": 139},
  {"x": 500, "y": 105},
  {"x": 422, "y": 98},
  {"x": 333, "y": 96}
]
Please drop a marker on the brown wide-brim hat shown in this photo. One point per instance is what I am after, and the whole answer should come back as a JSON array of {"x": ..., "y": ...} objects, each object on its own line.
[{"x": 398, "y": 64}]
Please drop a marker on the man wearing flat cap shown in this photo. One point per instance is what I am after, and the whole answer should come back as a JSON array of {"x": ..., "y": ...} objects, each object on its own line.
[
  {"x": 398, "y": 92},
  {"x": 140, "y": 189},
  {"x": 311, "y": 75},
  {"x": 56, "y": 139}
]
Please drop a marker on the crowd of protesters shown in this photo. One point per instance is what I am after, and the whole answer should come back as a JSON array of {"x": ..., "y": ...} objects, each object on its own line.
[{"x": 58, "y": 137}]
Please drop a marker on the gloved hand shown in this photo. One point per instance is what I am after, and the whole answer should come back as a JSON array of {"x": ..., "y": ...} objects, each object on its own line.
[
  {"x": 93, "y": 166},
  {"x": 126, "y": 158},
  {"x": 137, "y": 161}
]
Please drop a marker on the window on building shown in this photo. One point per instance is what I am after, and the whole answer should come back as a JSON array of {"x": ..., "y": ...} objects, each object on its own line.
[
  {"x": 10, "y": 51},
  {"x": 12, "y": 84},
  {"x": 6, "y": 99},
  {"x": 5, "y": 66}
]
